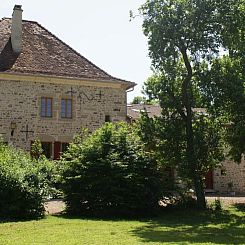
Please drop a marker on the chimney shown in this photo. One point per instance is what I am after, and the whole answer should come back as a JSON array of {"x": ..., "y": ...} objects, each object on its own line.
[{"x": 16, "y": 29}]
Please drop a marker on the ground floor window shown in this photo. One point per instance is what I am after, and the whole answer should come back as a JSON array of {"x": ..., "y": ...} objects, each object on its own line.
[
  {"x": 53, "y": 150},
  {"x": 64, "y": 147},
  {"x": 107, "y": 118},
  {"x": 47, "y": 149}
]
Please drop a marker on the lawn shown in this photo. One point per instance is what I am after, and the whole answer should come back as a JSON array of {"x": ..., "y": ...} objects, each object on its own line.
[{"x": 173, "y": 227}]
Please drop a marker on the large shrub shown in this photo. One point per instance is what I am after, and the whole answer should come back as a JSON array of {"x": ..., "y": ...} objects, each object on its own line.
[
  {"x": 24, "y": 183},
  {"x": 109, "y": 173}
]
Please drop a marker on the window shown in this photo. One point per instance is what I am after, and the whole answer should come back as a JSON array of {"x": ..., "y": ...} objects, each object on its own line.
[
  {"x": 47, "y": 149},
  {"x": 64, "y": 147},
  {"x": 66, "y": 108},
  {"x": 107, "y": 118},
  {"x": 46, "y": 107},
  {"x": 223, "y": 172}
]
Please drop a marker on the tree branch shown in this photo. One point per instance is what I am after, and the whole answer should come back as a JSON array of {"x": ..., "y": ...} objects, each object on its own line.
[{"x": 186, "y": 82}]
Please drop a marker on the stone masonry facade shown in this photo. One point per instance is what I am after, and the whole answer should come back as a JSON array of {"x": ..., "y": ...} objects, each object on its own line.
[
  {"x": 49, "y": 91},
  {"x": 21, "y": 105},
  {"x": 230, "y": 172}
]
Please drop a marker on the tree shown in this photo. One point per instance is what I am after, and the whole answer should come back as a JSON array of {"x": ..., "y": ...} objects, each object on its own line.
[
  {"x": 139, "y": 100},
  {"x": 184, "y": 37},
  {"x": 224, "y": 97},
  {"x": 143, "y": 100},
  {"x": 223, "y": 80}
]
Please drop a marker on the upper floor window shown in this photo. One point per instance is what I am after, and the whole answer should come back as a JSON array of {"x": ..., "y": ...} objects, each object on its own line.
[
  {"x": 46, "y": 107},
  {"x": 66, "y": 108}
]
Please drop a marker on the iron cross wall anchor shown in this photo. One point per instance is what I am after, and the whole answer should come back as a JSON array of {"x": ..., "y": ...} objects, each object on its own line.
[
  {"x": 82, "y": 94},
  {"x": 71, "y": 92},
  {"x": 27, "y": 131}
]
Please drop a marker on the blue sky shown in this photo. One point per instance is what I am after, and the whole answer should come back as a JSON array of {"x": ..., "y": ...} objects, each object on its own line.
[{"x": 98, "y": 29}]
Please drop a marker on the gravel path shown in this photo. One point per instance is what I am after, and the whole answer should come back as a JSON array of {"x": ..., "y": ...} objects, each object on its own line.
[
  {"x": 227, "y": 201},
  {"x": 57, "y": 206},
  {"x": 54, "y": 206}
]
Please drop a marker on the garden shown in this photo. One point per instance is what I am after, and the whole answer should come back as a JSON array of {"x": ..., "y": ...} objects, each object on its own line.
[
  {"x": 112, "y": 189},
  {"x": 116, "y": 182}
]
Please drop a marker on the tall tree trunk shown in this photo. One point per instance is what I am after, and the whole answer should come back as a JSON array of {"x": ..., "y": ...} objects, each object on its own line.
[
  {"x": 192, "y": 163},
  {"x": 191, "y": 156}
]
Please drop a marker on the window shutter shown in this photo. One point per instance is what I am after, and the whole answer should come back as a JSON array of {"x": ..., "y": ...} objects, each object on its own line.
[{"x": 57, "y": 150}]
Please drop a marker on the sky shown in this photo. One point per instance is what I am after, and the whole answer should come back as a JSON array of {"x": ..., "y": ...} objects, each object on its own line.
[{"x": 100, "y": 30}]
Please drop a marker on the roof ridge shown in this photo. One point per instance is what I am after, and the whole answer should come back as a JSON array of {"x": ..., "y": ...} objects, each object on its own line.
[
  {"x": 4, "y": 18},
  {"x": 8, "y": 18}
]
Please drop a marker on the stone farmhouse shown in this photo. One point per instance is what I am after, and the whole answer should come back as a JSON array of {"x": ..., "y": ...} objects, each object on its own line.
[
  {"x": 229, "y": 177},
  {"x": 48, "y": 91}
]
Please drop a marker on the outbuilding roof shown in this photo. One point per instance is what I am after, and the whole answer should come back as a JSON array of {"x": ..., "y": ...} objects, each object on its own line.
[{"x": 134, "y": 111}]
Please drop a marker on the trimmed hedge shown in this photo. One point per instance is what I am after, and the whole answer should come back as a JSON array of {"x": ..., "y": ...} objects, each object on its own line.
[
  {"x": 109, "y": 173},
  {"x": 24, "y": 184}
]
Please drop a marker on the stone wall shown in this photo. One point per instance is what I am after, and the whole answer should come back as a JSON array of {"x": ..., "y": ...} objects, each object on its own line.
[
  {"x": 20, "y": 103},
  {"x": 230, "y": 172}
]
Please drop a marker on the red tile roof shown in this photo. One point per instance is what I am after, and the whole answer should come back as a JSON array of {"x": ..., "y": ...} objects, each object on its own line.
[{"x": 45, "y": 54}]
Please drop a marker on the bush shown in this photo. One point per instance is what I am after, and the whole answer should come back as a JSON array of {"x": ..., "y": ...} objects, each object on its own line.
[
  {"x": 109, "y": 173},
  {"x": 216, "y": 205},
  {"x": 24, "y": 183}
]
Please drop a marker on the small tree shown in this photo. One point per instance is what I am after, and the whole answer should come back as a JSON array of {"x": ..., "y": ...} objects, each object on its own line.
[
  {"x": 110, "y": 173},
  {"x": 36, "y": 149}
]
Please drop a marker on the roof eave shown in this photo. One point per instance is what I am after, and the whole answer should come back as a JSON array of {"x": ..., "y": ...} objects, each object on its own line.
[{"x": 125, "y": 84}]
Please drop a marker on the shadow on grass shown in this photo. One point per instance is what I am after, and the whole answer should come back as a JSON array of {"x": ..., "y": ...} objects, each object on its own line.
[
  {"x": 109, "y": 218},
  {"x": 14, "y": 220},
  {"x": 194, "y": 227},
  {"x": 240, "y": 207}
]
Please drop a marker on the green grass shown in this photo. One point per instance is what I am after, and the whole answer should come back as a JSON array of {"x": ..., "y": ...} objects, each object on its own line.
[{"x": 173, "y": 227}]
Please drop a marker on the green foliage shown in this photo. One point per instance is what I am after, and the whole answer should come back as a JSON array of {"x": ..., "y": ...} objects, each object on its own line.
[
  {"x": 109, "y": 173},
  {"x": 24, "y": 184},
  {"x": 36, "y": 149},
  {"x": 139, "y": 100},
  {"x": 216, "y": 205},
  {"x": 223, "y": 86},
  {"x": 143, "y": 100},
  {"x": 187, "y": 41},
  {"x": 166, "y": 138},
  {"x": 174, "y": 26}
]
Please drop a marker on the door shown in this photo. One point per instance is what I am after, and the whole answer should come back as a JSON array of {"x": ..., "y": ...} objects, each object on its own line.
[
  {"x": 59, "y": 148},
  {"x": 209, "y": 180}
]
